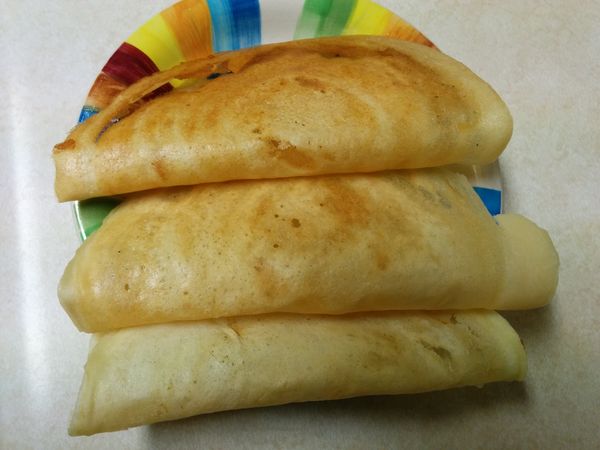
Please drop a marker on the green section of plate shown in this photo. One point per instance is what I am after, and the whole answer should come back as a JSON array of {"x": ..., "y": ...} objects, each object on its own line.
[
  {"x": 96, "y": 210},
  {"x": 323, "y": 18}
]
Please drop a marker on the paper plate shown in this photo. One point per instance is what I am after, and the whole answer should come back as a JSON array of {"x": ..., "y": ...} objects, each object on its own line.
[{"x": 190, "y": 29}]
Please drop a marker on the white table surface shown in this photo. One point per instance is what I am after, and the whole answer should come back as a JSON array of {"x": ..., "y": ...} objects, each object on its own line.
[{"x": 543, "y": 57}]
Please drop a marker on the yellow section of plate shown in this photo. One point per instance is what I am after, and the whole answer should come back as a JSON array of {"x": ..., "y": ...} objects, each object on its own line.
[
  {"x": 368, "y": 18},
  {"x": 156, "y": 40}
]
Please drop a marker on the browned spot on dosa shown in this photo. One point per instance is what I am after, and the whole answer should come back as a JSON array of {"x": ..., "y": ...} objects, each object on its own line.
[
  {"x": 69, "y": 144},
  {"x": 347, "y": 204},
  {"x": 159, "y": 167},
  {"x": 287, "y": 152},
  {"x": 382, "y": 260},
  {"x": 311, "y": 83},
  {"x": 269, "y": 281}
]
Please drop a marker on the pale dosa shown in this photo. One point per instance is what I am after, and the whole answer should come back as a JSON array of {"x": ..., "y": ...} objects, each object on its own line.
[
  {"x": 150, "y": 374},
  {"x": 322, "y": 106},
  {"x": 333, "y": 244}
]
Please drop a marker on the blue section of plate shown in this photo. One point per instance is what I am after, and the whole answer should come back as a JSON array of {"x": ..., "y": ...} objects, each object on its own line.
[
  {"x": 86, "y": 113},
  {"x": 235, "y": 24},
  {"x": 491, "y": 198}
]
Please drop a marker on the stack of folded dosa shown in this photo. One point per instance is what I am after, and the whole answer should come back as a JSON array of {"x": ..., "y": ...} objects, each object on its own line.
[{"x": 296, "y": 239}]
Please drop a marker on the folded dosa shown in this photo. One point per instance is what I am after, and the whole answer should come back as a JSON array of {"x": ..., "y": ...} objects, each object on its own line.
[
  {"x": 333, "y": 244},
  {"x": 322, "y": 106},
  {"x": 163, "y": 372}
]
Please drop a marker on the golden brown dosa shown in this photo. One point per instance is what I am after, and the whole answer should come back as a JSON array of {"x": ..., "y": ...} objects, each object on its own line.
[
  {"x": 154, "y": 373},
  {"x": 330, "y": 105},
  {"x": 317, "y": 245}
]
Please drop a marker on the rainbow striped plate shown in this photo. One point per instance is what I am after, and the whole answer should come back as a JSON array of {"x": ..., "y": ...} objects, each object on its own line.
[{"x": 191, "y": 29}]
